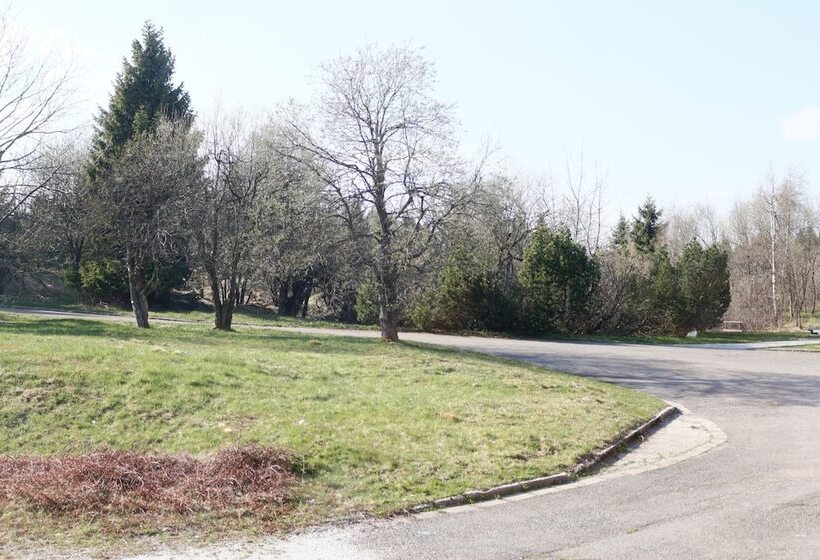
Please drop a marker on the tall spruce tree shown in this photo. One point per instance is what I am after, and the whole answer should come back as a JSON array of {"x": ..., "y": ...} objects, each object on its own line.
[
  {"x": 646, "y": 227},
  {"x": 620, "y": 235},
  {"x": 144, "y": 93}
]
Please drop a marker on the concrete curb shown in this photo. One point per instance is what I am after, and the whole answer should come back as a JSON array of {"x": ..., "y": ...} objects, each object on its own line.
[{"x": 586, "y": 466}]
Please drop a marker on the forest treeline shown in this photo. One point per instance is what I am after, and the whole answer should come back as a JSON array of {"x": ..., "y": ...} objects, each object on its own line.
[{"x": 360, "y": 206}]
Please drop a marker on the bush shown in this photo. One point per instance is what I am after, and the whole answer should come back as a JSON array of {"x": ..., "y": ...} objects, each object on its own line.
[
  {"x": 367, "y": 304},
  {"x": 101, "y": 279},
  {"x": 705, "y": 293},
  {"x": 558, "y": 279},
  {"x": 467, "y": 296},
  {"x": 167, "y": 278},
  {"x": 105, "y": 280}
]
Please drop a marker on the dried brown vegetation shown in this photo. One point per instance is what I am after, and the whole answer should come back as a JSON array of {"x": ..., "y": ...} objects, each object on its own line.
[{"x": 123, "y": 484}]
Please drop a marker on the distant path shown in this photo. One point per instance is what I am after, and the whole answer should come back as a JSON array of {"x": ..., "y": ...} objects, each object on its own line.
[{"x": 756, "y": 496}]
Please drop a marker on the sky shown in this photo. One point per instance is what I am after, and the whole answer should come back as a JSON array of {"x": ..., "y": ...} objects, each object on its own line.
[{"x": 689, "y": 102}]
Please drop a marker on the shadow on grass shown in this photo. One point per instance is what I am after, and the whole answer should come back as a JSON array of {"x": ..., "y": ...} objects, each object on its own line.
[{"x": 199, "y": 334}]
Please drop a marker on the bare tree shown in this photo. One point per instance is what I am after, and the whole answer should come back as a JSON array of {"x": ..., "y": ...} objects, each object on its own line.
[
  {"x": 59, "y": 211},
  {"x": 496, "y": 226},
  {"x": 303, "y": 249},
  {"x": 582, "y": 203},
  {"x": 229, "y": 213},
  {"x": 699, "y": 222},
  {"x": 385, "y": 146},
  {"x": 34, "y": 96},
  {"x": 775, "y": 241},
  {"x": 769, "y": 197},
  {"x": 574, "y": 201}
]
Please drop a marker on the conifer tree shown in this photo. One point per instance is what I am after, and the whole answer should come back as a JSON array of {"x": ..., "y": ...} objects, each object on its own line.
[
  {"x": 646, "y": 227},
  {"x": 144, "y": 93},
  {"x": 620, "y": 235}
]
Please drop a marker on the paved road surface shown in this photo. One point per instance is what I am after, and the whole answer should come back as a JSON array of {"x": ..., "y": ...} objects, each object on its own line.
[{"x": 756, "y": 496}]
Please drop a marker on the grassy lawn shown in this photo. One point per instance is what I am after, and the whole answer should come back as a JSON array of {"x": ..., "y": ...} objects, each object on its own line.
[
  {"x": 255, "y": 316},
  {"x": 807, "y": 348},
  {"x": 374, "y": 427}
]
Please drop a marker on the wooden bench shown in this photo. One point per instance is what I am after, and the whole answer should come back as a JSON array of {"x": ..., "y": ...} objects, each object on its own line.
[{"x": 732, "y": 327}]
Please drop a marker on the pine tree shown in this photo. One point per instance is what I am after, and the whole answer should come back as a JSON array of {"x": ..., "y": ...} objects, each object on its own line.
[
  {"x": 646, "y": 227},
  {"x": 143, "y": 93},
  {"x": 145, "y": 101},
  {"x": 620, "y": 235}
]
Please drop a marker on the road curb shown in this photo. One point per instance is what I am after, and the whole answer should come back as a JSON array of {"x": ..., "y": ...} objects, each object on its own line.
[{"x": 586, "y": 466}]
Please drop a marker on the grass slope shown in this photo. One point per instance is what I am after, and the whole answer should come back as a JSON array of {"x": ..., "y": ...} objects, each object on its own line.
[
  {"x": 807, "y": 348},
  {"x": 375, "y": 427}
]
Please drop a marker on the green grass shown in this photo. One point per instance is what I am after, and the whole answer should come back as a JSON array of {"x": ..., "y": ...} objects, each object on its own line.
[
  {"x": 807, "y": 348},
  {"x": 246, "y": 315},
  {"x": 376, "y": 427},
  {"x": 256, "y": 316}
]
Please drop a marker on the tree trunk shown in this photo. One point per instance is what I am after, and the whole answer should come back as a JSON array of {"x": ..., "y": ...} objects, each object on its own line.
[
  {"x": 294, "y": 296},
  {"x": 306, "y": 302},
  {"x": 385, "y": 266},
  {"x": 387, "y": 322},
  {"x": 223, "y": 317},
  {"x": 223, "y": 306},
  {"x": 773, "y": 261},
  {"x": 136, "y": 290}
]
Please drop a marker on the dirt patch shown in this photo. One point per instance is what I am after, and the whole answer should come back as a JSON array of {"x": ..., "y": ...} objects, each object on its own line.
[{"x": 244, "y": 481}]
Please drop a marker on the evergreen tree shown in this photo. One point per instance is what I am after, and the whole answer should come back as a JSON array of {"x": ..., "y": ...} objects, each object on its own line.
[
  {"x": 620, "y": 235},
  {"x": 703, "y": 276},
  {"x": 558, "y": 278},
  {"x": 143, "y": 93},
  {"x": 646, "y": 227},
  {"x": 468, "y": 295}
]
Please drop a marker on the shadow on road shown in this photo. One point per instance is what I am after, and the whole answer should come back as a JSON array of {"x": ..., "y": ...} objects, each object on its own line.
[{"x": 673, "y": 378}]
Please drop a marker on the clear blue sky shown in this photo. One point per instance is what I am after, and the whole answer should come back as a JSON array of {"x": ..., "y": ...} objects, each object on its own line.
[{"x": 689, "y": 101}]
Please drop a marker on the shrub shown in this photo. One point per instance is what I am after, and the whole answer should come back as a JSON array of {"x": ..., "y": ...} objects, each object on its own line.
[
  {"x": 467, "y": 296},
  {"x": 102, "y": 279},
  {"x": 558, "y": 278},
  {"x": 704, "y": 286},
  {"x": 367, "y": 304}
]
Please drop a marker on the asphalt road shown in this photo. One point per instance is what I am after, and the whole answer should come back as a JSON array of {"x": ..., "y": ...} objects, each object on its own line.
[{"x": 756, "y": 496}]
